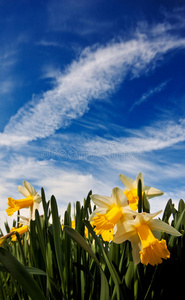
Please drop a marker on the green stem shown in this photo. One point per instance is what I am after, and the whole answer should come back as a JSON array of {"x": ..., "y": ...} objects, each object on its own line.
[{"x": 140, "y": 196}]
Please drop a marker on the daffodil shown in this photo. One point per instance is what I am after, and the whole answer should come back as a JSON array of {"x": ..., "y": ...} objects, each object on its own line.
[
  {"x": 110, "y": 211},
  {"x": 21, "y": 229},
  {"x": 24, "y": 226},
  {"x": 143, "y": 232},
  {"x": 32, "y": 200},
  {"x": 4, "y": 238},
  {"x": 131, "y": 186}
]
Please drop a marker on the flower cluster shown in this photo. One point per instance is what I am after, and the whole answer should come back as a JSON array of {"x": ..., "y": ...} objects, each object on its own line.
[{"x": 116, "y": 219}]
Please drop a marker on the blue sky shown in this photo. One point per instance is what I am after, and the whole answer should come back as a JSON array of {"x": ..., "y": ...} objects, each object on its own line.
[{"x": 88, "y": 90}]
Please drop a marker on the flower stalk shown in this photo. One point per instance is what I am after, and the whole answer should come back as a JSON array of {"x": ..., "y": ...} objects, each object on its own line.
[{"x": 140, "y": 196}]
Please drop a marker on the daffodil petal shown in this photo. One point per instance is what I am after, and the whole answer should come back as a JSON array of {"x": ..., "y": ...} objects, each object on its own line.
[
  {"x": 37, "y": 198},
  {"x": 162, "y": 226},
  {"x": 33, "y": 209},
  {"x": 140, "y": 177},
  {"x": 102, "y": 201},
  {"x": 121, "y": 237},
  {"x": 136, "y": 248},
  {"x": 147, "y": 217},
  {"x": 29, "y": 187},
  {"x": 127, "y": 181},
  {"x": 152, "y": 192},
  {"x": 24, "y": 220},
  {"x": 119, "y": 197},
  {"x": 23, "y": 190},
  {"x": 124, "y": 232},
  {"x": 98, "y": 210}
]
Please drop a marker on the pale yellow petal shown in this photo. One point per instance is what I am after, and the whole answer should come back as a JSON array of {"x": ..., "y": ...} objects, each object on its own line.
[
  {"x": 37, "y": 198},
  {"x": 29, "y": 187},
  {"x": 140, "y": 177},
  {"x": 102, "y": 201},
  {"x": 119, "y": 197},
  {"x": 99, "y": 210},
  {"x": 23, "y": 190},
  {"x": 136, "y": 248},
  {"x": 127, "y": 181},
  {"x": 152, "y": 192},
  {"x": 33, "y": 209},
  {"x": 124, "y": 232},
  {"x": 162, "y": 226},
  {"x": 147, "y": 217}
]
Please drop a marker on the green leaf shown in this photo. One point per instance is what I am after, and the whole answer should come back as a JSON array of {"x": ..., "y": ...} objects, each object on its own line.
[
  {"x": 33, "y": 244},
  {"x": 35, "y": 271},
  {"x": 40, "y": 234},
  {"x": 169, "y": 209},
  {"x": 129, "y": 274},
  {"x": 20, "y": 273},
  {"x": 44, "y": 201},
  {"x": 114, "y": 274},
  {"x": 146, "y": 204},
  {"x": 181, "y": 206},
  {"x": 87, "y": 202},
  {"x": 21, "y": 248},
  {"x": 84, "y": 269},
  {"x": 57, "y": 238},
  {"x": 90, "y": 229},
  {"x": 104, "y": 294},
  {"x": 45, "y": 206},
  {"x": 81, "y": 241},
  {"x": 177, "y": 227},
  {"x": 2, "y": 269}
]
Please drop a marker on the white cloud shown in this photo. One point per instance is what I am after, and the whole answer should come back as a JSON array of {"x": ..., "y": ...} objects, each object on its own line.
[
  {"x": 98, "y": 72},
  {"x": 6, "y": 86},
  {"x": 159, "y": 136},
  {"x": 67, "y": 184},
  {"x": 149, "y": 94}
]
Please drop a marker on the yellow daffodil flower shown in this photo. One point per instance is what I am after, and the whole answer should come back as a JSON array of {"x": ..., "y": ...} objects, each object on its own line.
[
  {"x": 3, "y": 238},
  {"x": 131, "y": 189},
  {"x": 24, "y": 226},
  {"x": 20, "y": 230},
  {"x": 142, "y": 232},
  {"x": 110, "y": 211},
  {"x": 32, "y": 200}
]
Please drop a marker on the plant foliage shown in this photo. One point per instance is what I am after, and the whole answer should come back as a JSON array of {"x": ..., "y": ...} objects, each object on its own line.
[{"x": 59, "y": 262}]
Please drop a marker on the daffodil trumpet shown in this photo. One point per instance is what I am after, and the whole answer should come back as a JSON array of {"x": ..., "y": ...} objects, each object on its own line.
[
  {"x": 20, "y": 230},
  {"x": 32, "y": 200},
  {"x": 131, "y": 190},
  {"x": 110, "y": 211},
  {"x": 143, "y": 232}
]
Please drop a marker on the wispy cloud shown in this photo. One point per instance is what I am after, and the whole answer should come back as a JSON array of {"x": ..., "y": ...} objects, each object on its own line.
[
  {"x": 161, "y": 135},
  {"x": 63, "y": 14},
  {"x": 149, "y": 94},
  {"x": 95, "y": 74},
  {"x": 47, "y": 43},
  {"x": 162, "y": 139}
]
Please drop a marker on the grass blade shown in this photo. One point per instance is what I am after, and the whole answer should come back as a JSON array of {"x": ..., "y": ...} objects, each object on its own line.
[
  {"x": 20, "y": 274},
  {"x": 81, "y": 241}
]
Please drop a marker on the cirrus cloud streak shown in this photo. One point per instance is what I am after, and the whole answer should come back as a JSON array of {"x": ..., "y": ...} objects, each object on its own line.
[{"x": 95, "y": 75}]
